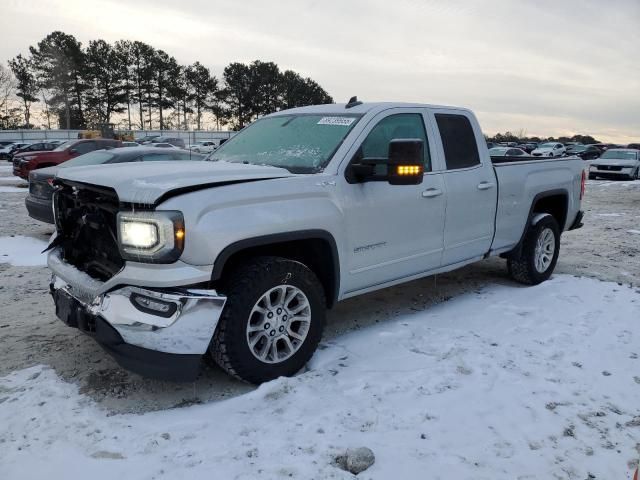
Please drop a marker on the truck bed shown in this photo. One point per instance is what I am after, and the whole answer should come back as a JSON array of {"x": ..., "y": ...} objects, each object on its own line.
[{"x": 521, "y": 181}]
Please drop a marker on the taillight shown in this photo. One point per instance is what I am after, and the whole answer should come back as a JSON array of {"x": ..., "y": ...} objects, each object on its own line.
[
  {"x": 582, "y": 182},
  {"x": 50, "y": 181}
]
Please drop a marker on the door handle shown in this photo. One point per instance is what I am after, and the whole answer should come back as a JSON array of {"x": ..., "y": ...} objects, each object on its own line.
[
  {"x": 431, "y": 192},
  {"x": 485, "y": 186}
]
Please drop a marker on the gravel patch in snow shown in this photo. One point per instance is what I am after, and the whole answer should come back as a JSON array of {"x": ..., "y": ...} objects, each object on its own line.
[
  {"x": 504, "y": 382},
  {"x": 22, "y": 251}
]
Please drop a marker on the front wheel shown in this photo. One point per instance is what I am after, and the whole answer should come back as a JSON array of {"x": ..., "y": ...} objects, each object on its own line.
[
  {"x": 272, "y": 322},
  {"x": 539, "y": 255}
]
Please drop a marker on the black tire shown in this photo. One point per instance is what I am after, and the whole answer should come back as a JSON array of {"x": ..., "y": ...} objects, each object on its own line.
[
  {"x": 244, "y": 287},
  {"x": 524, "y": 269}
]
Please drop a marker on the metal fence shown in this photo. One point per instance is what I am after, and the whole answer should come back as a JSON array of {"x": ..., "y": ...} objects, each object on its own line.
[{"x": 188, "y": 136}]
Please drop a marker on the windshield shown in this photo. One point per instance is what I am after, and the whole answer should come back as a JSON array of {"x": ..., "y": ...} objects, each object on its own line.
[
  {"x": 619, "y": 154},
  {"x": 64, "y": 146},
  {"x": 547, "y": 145},
  {"x": 498, "y": 151},
  {"x": 92, "y": 158},
  {"x": 300, "y": 143}
]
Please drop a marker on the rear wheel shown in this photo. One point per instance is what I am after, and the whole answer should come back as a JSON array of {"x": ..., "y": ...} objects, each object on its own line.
[
  {"x": 539, "y": 253},
  {"x": 272, "y": 322}
]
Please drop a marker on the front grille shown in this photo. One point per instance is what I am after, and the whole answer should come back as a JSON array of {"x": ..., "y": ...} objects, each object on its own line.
[
  {"x": 86, "y": 223},
  {"x": 610, "y": 168}
]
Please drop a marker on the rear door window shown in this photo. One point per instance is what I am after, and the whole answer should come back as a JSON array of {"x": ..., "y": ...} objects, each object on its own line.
[{"x": 458, "y": 141}]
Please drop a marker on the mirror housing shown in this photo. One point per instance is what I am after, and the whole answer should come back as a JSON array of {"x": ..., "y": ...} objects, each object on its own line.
[
  {"x": 406, "y": 161},
  {"x": 73, "y": 150}
]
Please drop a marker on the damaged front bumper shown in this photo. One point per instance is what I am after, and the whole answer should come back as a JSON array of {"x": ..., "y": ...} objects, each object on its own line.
[{"x": 156, "y": 332}]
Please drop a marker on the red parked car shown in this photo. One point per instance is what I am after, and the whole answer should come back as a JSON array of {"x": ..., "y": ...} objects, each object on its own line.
[{"x": 23, "y": 163}]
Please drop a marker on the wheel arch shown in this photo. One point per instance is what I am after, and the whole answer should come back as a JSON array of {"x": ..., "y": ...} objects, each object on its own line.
[
  {"x": 311, "y": 247},
  {"x": 554, "y": 202}
]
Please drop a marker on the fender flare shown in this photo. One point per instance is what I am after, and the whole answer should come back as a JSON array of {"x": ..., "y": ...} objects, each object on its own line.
[
  {"x": 276, "y": 238},
  {"x": 534, "y": 218}
]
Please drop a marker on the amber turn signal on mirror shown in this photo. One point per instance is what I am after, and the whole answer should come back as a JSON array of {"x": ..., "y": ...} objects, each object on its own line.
[{"x": 404, "y": 170}]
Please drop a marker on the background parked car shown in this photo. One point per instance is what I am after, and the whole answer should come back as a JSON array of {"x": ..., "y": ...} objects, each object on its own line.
[
  {"x": 585, "y": 152},
  {"x": 616, "y": 163},
  {"x": 203, "y": 147},
  {"x": 38, "y": 201},
  {"x": 146, "y": 139},
  {"x": 7, "y": 151},
  {"x": 635, "y": 146},
  {"x": 549, "y": 149},
  {"x": 130, "y": 144},
  {"x": 178, "y": 142},
  {"x": 34, "y": 147},
  {"x": 507, "y": 152},
  {"x": 162, "y": 145},
  {"x": 23, "y": 163}
]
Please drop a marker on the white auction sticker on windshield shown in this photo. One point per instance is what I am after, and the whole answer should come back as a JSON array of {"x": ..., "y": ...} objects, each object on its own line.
[{"x": 341, "y": 121}]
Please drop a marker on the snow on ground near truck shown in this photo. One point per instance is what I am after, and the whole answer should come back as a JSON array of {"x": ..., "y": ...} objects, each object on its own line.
[
  {"x": 22, "y": 251},
  {"x": 12, "y": 189},
  {"x": 505, "y": 382},
  {"x": 12, "y": 181}
]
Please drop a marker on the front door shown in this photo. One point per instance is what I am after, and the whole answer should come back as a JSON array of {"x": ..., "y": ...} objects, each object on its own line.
[{"x": 393, "y": 231}]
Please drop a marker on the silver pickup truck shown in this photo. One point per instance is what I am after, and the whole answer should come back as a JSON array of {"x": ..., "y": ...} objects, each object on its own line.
[{"x": 238, "y": 258}]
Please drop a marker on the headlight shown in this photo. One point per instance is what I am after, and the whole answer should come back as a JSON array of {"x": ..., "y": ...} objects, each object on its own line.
[{"x": 153, "y": 236}]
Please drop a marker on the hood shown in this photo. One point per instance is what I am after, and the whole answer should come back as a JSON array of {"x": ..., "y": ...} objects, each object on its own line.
[
  {"x": 150, "y": 182},
  {"x": 43, "y": 173},
  {"x": 38, "y": 153},
  {"x": 615, "y": 162}
]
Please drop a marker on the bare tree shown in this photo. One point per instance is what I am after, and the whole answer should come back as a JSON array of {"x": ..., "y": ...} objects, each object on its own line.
[{"x": 7, "y": 88}]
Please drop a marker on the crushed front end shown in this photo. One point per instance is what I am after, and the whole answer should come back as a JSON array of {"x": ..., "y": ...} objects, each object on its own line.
[{"x": 155, "y": 319}]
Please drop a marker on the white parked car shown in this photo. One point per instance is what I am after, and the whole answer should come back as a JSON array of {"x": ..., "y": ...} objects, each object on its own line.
[
  {"x": 204, "y": 147},
  {"x": 8, "y": 150},
  {"x": 507, "y": 152},
  {"x": 616, "y": 163},
  {"x": 162, "y": 145},
  {"x": 549, "y": 149}
]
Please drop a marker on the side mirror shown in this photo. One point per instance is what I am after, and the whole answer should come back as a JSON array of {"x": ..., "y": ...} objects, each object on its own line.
[
  {"x": 73, "y": 151},
  {"x": 406, "y": 161}
]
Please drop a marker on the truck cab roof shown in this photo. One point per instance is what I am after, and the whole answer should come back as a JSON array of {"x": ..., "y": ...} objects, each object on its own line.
[{"x": 360, "y": 109}]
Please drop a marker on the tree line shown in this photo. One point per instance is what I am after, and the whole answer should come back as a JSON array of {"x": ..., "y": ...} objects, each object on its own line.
[
  {"x": 521, "y": 137},
  {"x": 80, "y": 87}
]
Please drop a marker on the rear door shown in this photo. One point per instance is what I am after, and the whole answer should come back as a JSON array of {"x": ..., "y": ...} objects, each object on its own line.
[{"x": 471, "y": 187}]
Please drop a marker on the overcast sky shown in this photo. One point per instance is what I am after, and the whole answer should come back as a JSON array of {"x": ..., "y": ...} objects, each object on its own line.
[{"x": 547, "y": 67}]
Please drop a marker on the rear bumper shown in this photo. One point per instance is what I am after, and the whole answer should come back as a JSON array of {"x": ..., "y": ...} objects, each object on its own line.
[
  {"x": 159, "y": 333},
  {"x": 40, "y": 209}
]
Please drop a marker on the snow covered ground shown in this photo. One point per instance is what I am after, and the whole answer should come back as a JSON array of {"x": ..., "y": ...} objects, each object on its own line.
[
  {"x": 506, "y": 382},
  {"x": 22, "y": 251}
]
